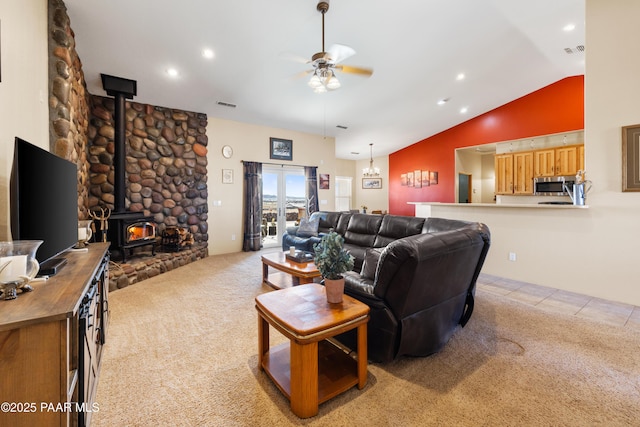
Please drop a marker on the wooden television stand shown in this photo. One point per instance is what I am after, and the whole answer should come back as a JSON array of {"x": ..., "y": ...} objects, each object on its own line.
[{"x": 51, "y": 344}]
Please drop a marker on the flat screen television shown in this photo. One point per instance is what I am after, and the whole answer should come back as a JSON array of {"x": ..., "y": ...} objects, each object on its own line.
[{"x": 44, "y": 203}]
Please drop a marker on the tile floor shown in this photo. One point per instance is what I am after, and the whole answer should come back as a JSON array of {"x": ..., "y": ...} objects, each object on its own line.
[{"x": 562, "y": 301}]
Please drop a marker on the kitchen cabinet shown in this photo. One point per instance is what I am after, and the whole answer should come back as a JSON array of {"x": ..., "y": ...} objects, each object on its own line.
[
  {"x": 514, "y": 173},
  {"x": 558, "y": 161},
  {"x": 580, "y": 157},
  {"x": 544, "y": 162},
  {"x": 523, "y": 172},
  {"x": 567, "y": 160},
  {"x": 504, "y": 173}
]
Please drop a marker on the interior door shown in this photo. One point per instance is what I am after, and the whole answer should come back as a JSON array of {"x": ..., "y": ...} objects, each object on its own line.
[
  {"x": 464, "y": 188},
  {"x": 283, "y": 201}
]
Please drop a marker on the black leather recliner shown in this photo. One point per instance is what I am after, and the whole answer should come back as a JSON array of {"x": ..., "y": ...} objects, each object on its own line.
[{"x": 419, "y": 288}]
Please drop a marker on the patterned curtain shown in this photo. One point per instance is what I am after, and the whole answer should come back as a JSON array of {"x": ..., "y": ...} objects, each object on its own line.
[
  {"x": 253, "y": 206},
  {"x": 311, "y": 178}
]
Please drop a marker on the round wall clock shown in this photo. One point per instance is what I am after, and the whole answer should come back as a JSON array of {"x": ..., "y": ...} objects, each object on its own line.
[{"x": 227, "y": 151}]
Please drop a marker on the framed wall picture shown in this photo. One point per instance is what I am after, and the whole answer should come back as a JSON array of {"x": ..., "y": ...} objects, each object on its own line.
[
  {"x": 417, "y": 178},
  {"x": 410, "y": 179},
  {"x": 227, "y": 176},
  {"x": 425, "y": 179},
  {"x": 403, "y": 179},
  {"x": 433, "y": 178},
  {"x": 324, "y": 181},
  {"x": 371, "y": 183},
  {"x": 631, "y": 158},
  {"x": 280, "y": 149}
]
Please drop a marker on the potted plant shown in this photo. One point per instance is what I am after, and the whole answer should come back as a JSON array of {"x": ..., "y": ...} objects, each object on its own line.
[{"x": 332, "y": 261}]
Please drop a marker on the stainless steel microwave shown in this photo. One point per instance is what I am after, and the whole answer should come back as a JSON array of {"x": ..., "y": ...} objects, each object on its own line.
[{"x": 552, "y": 185}]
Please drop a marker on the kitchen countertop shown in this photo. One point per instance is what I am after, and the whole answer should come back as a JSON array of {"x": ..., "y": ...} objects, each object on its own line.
[{"x": 501, "y": 205}]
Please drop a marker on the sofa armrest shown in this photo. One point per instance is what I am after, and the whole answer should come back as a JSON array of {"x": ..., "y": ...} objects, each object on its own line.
[{"x": 361, "y": 288}]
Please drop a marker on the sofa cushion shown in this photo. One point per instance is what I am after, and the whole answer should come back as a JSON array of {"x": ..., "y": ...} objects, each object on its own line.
[
  {"x": 396, "y": 227},
  {"x": 370, "y": 264},
  {"x": 358, "y": 253},
  {"x": 308, "y": 226},
  {"x": 362, "y": 230},
  {"x": 328, "y": 220},
  {"x": 343, "y": 222}
]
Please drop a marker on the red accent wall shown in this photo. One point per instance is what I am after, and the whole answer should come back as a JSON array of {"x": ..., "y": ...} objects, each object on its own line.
[{"x": 556, "y": 108}]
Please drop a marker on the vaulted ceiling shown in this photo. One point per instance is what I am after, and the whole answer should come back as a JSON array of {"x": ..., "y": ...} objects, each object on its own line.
[{"x": 417, "y": 49}]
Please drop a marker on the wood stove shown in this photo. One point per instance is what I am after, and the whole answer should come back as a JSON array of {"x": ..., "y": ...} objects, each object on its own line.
[{"x": 128, "y": 230}]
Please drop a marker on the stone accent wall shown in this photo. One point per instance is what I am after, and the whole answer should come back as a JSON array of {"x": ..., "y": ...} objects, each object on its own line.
[
  {"x": 141, "y": 268},
  {"x": 68, "y": 99},
  {"x": 166, "y": 163}
]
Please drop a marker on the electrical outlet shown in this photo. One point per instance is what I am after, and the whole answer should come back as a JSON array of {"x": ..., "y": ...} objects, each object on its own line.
[
  {"x": 233, "y": 237},
  {"x": 512, "y": 256}
]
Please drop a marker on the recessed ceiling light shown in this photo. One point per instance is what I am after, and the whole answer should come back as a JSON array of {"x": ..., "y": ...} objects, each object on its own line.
[
  {"x": 569, "y": 27},
  {"x": 443, "y": 101},
  {"x": 207, "y": 53},
  {"x": 172, "y": 72},
  {"x": 460, "y": 76},
  {"x": 463, "y": 110}
]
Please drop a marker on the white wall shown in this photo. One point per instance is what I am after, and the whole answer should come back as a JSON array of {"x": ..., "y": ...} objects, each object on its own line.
[
  {"x": 593, "y": 251},
  {"x": 488, "y": 184},
  {"x": 251, "y": 143},
  {"x": 373, "y": 199},
  {"x": 24, "y": 88}
]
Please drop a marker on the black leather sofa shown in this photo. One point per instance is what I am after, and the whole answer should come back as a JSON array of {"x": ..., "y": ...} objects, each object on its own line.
[{"x": 417, "y": 275}]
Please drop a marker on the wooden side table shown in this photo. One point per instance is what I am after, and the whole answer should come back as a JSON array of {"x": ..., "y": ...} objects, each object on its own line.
[
  {"x": 309, "y": 370},
  {"x": 290, "y": 273}
]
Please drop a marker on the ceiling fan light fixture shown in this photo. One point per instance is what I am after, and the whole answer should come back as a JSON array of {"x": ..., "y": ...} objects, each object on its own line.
[
  {"x": 326, "y": 61},
  {"x": 315, "y": 82},
  {"x": 333, "y": 83}
]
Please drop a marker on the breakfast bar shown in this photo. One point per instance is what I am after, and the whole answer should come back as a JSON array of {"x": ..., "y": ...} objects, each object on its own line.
[{"x": 535, "y": 243}]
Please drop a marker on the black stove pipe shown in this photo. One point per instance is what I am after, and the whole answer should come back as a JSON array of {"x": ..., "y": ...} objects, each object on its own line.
[
  {"x": 121, "y": 89},
  {"x": 119, "y": 154}
]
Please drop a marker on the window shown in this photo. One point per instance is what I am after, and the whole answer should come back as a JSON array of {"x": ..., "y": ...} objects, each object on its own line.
[{"x": 343, "y": 193}]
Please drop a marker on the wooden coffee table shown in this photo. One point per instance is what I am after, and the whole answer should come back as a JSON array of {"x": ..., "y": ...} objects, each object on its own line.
[
  {"x": 308, "y": 369},
  {"x": 290, "y": 273}
]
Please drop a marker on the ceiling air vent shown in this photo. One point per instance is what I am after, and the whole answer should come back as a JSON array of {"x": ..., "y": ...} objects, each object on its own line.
[
  {"x": 579, "y": 48},
  {"x": 226, "y": 104}
]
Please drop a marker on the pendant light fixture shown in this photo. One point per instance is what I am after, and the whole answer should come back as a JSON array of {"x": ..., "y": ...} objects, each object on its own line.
[{"x": 371, "y": 171}]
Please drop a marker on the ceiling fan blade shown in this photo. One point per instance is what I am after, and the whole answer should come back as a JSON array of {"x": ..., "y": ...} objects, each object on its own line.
[
  {"x": 340, "y": 52},
  {"x": 354, "y": 70},
  {"x": 302, "y": 74},
  {"x": 293, "y": 57}
]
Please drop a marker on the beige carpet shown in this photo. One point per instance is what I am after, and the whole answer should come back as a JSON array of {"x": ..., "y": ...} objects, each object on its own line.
[{"x": 182, "y": 351}]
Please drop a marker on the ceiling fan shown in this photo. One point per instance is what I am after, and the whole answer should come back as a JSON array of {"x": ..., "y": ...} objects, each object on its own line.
[{"x": 326, "y": 63}]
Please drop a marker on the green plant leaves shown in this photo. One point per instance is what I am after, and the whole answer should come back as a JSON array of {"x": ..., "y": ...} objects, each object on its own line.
[{"x": 330, "y": 257}]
